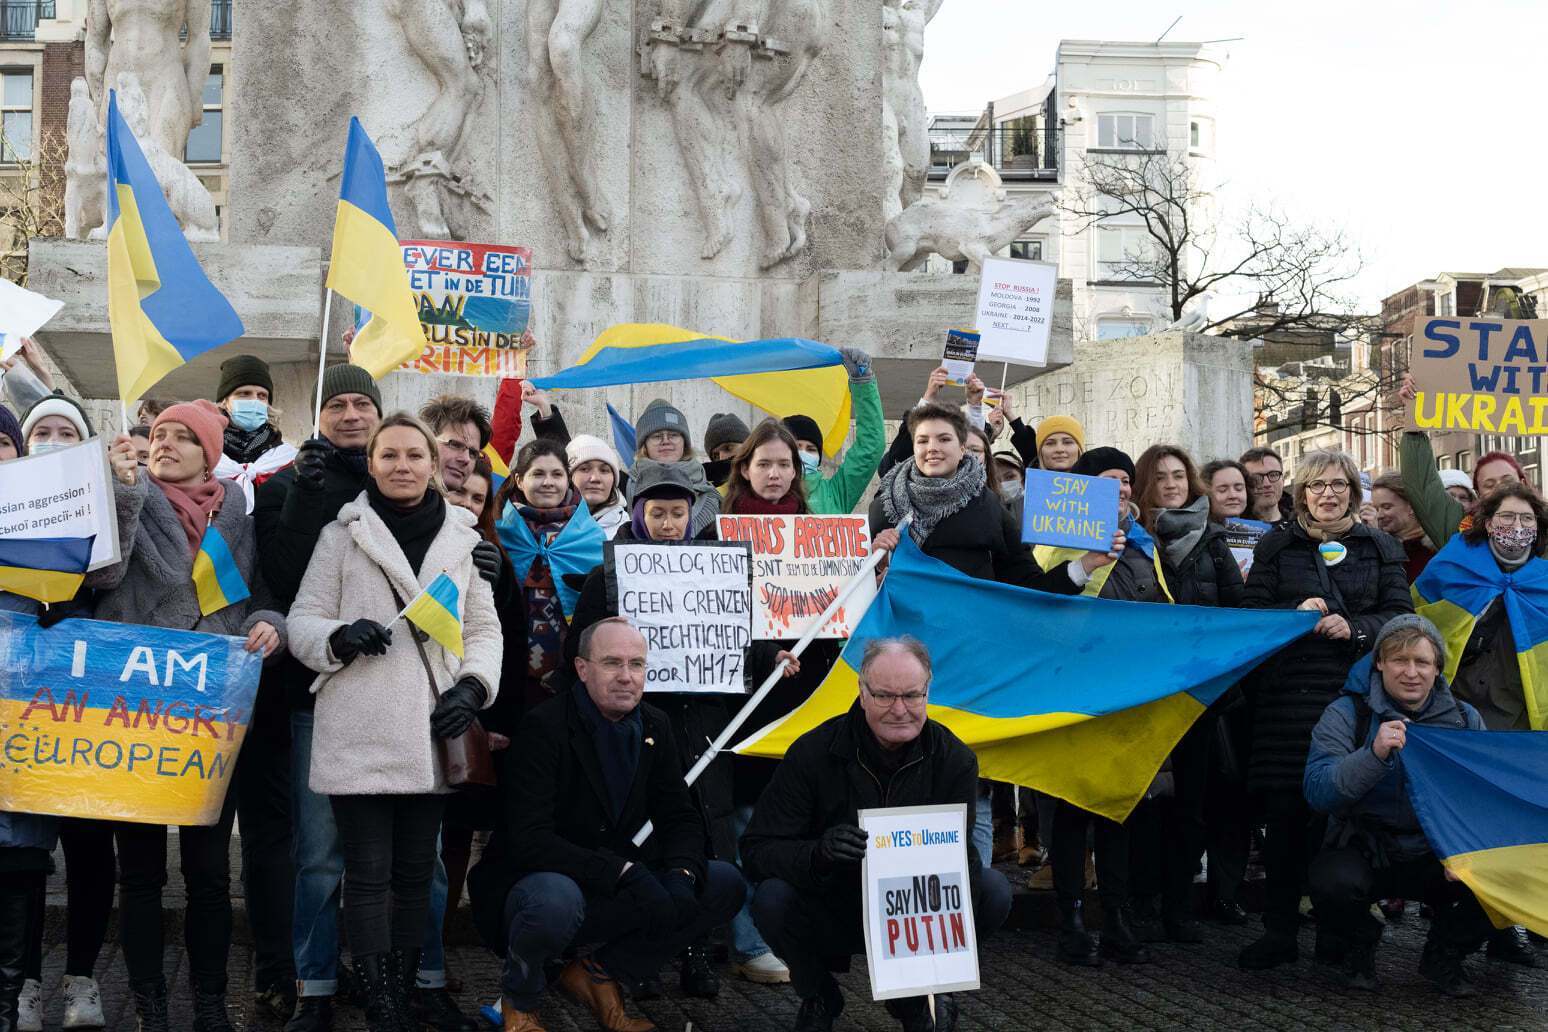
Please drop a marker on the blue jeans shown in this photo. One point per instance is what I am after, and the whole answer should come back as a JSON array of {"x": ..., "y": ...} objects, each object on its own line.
[
  {"x": 319, "y": 860},
  {"x": 746, "y": 943},
  {"x": 432, "y": 954},
  {"x": 983, "y": 824}
]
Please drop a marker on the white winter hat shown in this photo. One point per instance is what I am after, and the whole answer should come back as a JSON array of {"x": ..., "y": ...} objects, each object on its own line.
[
  {"x": 56, "y": 404},
  {"x": 585, "y": 447},
  {"x": 1456, "y": 478}
]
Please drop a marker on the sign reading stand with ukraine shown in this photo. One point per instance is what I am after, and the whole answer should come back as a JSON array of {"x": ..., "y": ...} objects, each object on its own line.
[{"x": 120, "y": 722}]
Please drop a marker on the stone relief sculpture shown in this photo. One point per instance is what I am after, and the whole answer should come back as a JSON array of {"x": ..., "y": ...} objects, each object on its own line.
[
  {"x": 972, "y": 221},
  {"x": 85, "y": 198},
  {"x": 144, "y": 38},
  {"x": 903, "y": 104}
]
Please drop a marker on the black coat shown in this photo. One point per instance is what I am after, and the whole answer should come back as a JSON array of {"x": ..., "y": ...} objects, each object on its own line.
[
  {"x": 557, "y": 816},
  {"x": 1291, "y": 689},
  {"x": 1208, "y": 575},
  {"x": 982, "y": 540}
]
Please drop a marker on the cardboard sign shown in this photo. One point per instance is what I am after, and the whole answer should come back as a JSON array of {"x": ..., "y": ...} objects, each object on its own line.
[
  {"x": 919, "y": 934},
  {"x": 961, "y": 352},
  {"x": 1242, "y": 537},
  {"x": 800, "y": 564},
  {"x": 64, "y": 493},
  {"x": 1489, "y": 376},
  {"x": 1069, "y": 511},
  {"x": 121, "y": 722},
  {"x": 693, "y": 604},
  {"x": 475, "y": 305},
  {"x": 1015, "y": 311}
]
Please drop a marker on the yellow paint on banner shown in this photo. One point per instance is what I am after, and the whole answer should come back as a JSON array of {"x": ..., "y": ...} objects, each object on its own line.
[{"x": 1484, "y": 413}]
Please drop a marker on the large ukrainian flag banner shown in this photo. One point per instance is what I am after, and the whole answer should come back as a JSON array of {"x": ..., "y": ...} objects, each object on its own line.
[
  {"x": 1461, "y": 582},
  {"x": 1482, "y": 798},
  {"x": 1078, "y": 697},
  {"x": 120, "y": 722},
  {"x": 162, "y": 308},
  {"x": 783, "y": 377},
  {"x": 49, "y": 570}
]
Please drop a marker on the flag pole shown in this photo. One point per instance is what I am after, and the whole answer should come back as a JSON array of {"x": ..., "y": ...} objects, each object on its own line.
[
  {"x": 322, "y": 361},
  {"x": 778, "y": 672}
]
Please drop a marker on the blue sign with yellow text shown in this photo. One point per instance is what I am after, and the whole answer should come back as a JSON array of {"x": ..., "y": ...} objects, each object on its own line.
[{"x": 1069, "y": 511}]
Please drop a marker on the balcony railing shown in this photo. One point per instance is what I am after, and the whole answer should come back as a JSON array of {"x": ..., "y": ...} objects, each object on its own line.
[
  {"x": 19, "y": 18},
  {"x": 220, "y": 19},
  {"x": 1015, "y": 153}
]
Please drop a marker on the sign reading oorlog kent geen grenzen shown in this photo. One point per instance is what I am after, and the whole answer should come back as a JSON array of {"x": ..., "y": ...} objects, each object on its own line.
[
  {"x": 1069, "y": 511},
  {"x": 1485, "y": 375}
]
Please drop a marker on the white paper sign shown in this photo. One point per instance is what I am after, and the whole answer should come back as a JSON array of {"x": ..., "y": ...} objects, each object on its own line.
[
  {"x": 1015, "y": 311},
  {"x": 64, "y": 493},
  {"x": 22, "y": 313},
  {"x": 800, "y": 564},
  {"x": 693, "y": 604},
  {"x": 919, "y": 935}
]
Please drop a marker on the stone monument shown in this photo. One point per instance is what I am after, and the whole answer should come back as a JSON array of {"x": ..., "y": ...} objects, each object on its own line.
[
  {"x": 971, "y": 222},
  {"x": 903, "y": 105}
]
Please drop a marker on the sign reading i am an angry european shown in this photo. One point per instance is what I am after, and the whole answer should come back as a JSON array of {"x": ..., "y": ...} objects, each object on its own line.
[{"x": 1069, "y": 511}]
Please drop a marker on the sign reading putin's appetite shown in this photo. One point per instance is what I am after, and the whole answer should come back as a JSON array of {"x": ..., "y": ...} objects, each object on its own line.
[{"x": 800, "y": 564}]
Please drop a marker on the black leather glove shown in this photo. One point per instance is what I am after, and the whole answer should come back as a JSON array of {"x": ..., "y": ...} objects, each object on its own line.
[
  {"x": 486, "y": 559},
  {"x": 361, "y": 638},
  {"x": 458, "y": 707},
  {"x": 685, "y": 895},
  {"x": 654, "y": 904},
  {"x": 840, "y": 844},
  {"x": 311, "y": 460},
  {"x": 53, "y": 614}
]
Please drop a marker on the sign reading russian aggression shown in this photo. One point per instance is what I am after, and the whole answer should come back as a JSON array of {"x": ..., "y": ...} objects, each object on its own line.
[
  {"x": 475, "y": 305},
  {"x": 1015, "y": 311},
  {"x": 120, "y": 722},
  {"x": 1069, "y": 511},
  {"x": 919, "y": 935},
  {"x": 62, "y": 494},
  {"x": 1486, "y": 375},
  {"x": 800, "y": 564},
  {"x": 693, "y": 604}
]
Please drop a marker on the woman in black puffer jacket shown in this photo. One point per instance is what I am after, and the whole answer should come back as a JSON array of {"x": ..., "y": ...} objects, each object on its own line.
[{"x": 1323, "y": 559}]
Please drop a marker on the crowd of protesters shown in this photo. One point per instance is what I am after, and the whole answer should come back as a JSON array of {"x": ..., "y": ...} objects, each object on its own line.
[{"x": 357, "y": 842}]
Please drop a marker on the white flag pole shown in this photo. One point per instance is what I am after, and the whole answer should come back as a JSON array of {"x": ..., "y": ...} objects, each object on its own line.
[{"x": 322, "y": 361}]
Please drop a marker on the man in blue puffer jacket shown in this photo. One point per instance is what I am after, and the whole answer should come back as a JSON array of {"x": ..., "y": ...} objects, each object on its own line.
[{"x": 1375, "y": 848}]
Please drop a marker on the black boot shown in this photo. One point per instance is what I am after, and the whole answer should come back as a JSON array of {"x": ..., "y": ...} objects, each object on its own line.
[
  {"x": 377, "y": 983},
  {"x": 210, "y": 1010},
  {"x": 1118, "y": 939},
  {"x": 1442, "y": 965},
  {"x": 818, "y": 1013},
  {"x": 1512, "y": 946},
  {"x": 13, "y": 947},
  {"x": 1273, "y": 949},
  {"x": 698, "y": 974},
  {"x": 150, "y": 1004},
  {"x": 404, "y": 968},
  {"x": 1076, "y": 946},
  {"x": 437, "y": 1009},
  {"x": 1360, "y": 967},
  {"x": 1145, "y": 918},
  {"x": 312, "y": 1014}
]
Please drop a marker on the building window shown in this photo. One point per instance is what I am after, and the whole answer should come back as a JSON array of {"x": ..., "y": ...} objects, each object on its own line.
[
  {"x": 1029, "y": 250},
  {"x": 1531, "y": 475},
  {"x": 1126, "y": 132},
  {"x": 204, "y": 142},
  {"x": 1465, "y": 461},
  {"x": 1115, "y": 328},
  {"x": 15, "y": 114},
  {"x": 1201, "y": 135},
  {"x": 1122, "y": 253}
]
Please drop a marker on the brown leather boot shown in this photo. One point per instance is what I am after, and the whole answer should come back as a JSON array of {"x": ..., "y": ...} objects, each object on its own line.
[
  {"x": 518, "y": 1021},
  {"x": 588, "y": 984}
]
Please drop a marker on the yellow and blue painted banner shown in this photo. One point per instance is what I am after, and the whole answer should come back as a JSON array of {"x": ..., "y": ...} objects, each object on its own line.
[
  {"x": 49, "y": 570},
  {"x": 1482, "y": 798},
  {"x": 162, "y": 308},
  {"x": 577, "y": 549},
  {"x": 1088, "y": 703},
  {"x": 784, "y": 377},
  {"x": 437, "y": 610},
  {"x": 367, "y": 262},
  {"x": 1463, "y": 580},
  {"x": 217, "y": 581},
  {"x": 119, "y": 721}
]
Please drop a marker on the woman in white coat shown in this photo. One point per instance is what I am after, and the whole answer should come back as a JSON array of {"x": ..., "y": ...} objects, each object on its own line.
[{"x": 379, "y": 711}]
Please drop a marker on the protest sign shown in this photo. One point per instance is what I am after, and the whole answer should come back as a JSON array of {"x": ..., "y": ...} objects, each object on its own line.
[
  {"x": 961, "y": 353},
  {"x": 1015, "y": 311},
  {"x": 22, "y": 313},
  {"x": 121, "y": 722},
  {"x": 1486, "y": 375},
  {"x": 1069, "y": 511},
  {"x": 693, "y": 603},
  {"x": 800, "y": 564},
  {"x": 475, "y": 305},
  {"x": 919, "y": 935},
  {"x": 1242, "y": 538},
  {"x": 64, "y": 493}
]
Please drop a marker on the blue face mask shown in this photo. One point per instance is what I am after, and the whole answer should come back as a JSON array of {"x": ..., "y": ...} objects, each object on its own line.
[
  {"x": 248, "y": 413},
  {"x": 811, "y": 461},
  {"x": 44, "y": 447}
]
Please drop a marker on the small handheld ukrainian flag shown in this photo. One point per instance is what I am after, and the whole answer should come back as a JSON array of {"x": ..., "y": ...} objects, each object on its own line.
[
  {"x": 216, "y": 578},
  {"x": 434, "y": 611},
  {"x": 499, "y": 470},
  {"x": 49, "y": 570}
]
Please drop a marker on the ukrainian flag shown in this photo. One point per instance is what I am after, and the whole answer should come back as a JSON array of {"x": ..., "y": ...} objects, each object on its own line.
[
  {"x": 217, "y": 581},
  {"x": 1482, "y": 799},
  {"x": 367, "y": 265},
  {"x": 1087, "y": 700},
  {"x": 783, "y": 377},
  {"x": 499, "y": 470},
  {"x": 1135, "y": 536},
  {"x": 1461, "y": 581},
  {"x": 49, "y": 570},
  {"x": 435, "y": 611},
  {"x": 162, "y": 309}
]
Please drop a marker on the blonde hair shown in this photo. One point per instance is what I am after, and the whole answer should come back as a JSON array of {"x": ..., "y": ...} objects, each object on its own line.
[
  {"x": 1313, "y": 464},
  {"x": 412, "y": 422}
]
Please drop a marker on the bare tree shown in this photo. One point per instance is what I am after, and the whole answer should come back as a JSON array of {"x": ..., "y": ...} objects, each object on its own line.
[{"x": 31, "y": 202}]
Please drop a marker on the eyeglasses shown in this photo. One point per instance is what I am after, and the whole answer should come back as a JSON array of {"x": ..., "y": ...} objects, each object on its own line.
[
  {"x": 1324, "y": 486},
  {"x": 1514, "y": 519},
  {"x": 909, "y": 699},
  {"x": 457, "y": 447},
  {"x": 1273, "y": 476}
]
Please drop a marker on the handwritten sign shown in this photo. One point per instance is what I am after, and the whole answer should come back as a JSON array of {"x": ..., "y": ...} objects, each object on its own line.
[
  {"x": 64, "y": 493},
  {"x": 1015, "y": 311},
  {"x": 1485, "y": 375},
  {"x": 800, "y": 564},
  {"x": 961, "y": 353},
  {"x": 121, "y": 722},
  {"x": 475, "y": 305},
  {"x": 693, "y": 604},
  {"x": 1069, "y": 511},
  {"x": 919, "y": 934}
]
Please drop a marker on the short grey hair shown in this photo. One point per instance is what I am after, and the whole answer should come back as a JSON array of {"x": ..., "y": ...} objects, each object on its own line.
[
  {"x": 583, "y": 646},
  {"x": 1313, "y": 464},
  {"x": 906, "y": 644}
]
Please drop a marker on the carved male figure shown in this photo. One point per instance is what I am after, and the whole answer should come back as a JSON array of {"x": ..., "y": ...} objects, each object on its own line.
[{"x": 143, "y": 38}]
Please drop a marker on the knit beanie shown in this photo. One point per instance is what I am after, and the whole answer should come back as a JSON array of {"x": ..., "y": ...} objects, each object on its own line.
[
  {"x": 1003, "y": 451},
  {"x": 244, "y": 371},
  {"x": 350, "y": 379},
  {"x": 56, "y": 404},
  {"x": 1060, "y": 425},
  {"x": 660, "y": 415},
  {"x": 585, "y": 447},
  {"x": 804, "y": 428},
  {"x": 1099, "y": 460},
  {"x": 1414, "y": 620},
  {"x": 1450, "y": 478},
  {"x": 724, "y": 428},
  {"x": 207, "y": 422},
  {"x": 12, "y": 429}
]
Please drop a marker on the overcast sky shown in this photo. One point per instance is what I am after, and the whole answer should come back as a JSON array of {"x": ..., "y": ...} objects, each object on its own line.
[{"x": 1422, "y": 128}]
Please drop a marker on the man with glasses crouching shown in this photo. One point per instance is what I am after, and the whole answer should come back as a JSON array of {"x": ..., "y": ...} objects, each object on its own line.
[{"x": 805, "y": 845}]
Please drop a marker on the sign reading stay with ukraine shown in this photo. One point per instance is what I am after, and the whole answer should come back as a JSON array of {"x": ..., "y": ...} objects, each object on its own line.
[
  {"x": 1486, "y": 375},
  {"x": 475, "y": 304},
  {"x": 1069, "y": 511},
  {"x": 119, "y": 721}
]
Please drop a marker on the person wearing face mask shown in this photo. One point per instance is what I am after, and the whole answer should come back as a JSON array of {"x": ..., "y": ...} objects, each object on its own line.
[
  {"x": 1010, "y": 474},
  {"x": 723, "y": 435},
  {"x": 662, "y": 436},
  {"x": 254, "y": 449},
  {"x": 164, "y": 517},
  {"x": 842, "y": 490},
  {"x": 594, "y": 472},
  {"x": 54, "y": 421}
]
